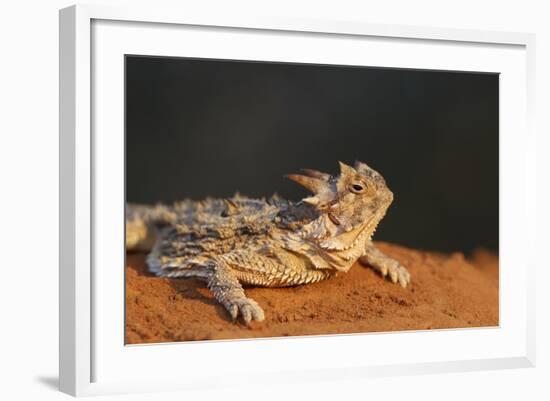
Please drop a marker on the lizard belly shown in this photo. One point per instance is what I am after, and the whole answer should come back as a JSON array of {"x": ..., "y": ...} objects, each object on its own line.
[{"x": 268, "y": 271}]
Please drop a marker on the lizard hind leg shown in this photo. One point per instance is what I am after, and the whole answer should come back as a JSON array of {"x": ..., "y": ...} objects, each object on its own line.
[{"x": 227, "y": 289}]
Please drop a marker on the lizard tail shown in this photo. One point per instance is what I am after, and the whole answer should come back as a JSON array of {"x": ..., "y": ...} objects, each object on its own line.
[{"x": 142, "y": 224}]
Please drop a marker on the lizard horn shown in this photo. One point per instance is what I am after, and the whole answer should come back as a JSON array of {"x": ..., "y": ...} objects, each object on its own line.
[
  {"x": 316, "y": 174},
  {"x": 314, "y": 185},
  {"x": 346, "y": 170},
  {"x": 312, "y": 200},
  {"x": 361, "y": 167}
]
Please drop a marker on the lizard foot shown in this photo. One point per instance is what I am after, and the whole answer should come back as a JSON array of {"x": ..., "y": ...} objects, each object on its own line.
[
  {"x": 247, "y": 308},
  {"x": 385, "y": 265},
  {"x": 396, "y": 273}
]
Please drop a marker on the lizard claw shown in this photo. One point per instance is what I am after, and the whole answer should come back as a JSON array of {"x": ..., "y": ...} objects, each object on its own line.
[
  {"x": 393, "y": 275},
  {"x": 233, "y": 311}
]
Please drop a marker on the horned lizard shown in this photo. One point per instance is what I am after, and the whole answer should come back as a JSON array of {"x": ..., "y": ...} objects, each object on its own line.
[{"x": 271, "y": 243}]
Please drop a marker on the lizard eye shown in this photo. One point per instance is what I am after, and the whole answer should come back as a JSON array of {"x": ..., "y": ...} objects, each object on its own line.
[{"x": 357, "y": 188}]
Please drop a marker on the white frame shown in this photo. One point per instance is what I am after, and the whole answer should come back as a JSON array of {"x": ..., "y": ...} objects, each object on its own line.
[{"x": 76, "y": 223}]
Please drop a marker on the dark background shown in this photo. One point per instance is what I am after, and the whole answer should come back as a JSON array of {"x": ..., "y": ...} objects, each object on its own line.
[{"x": 197, "y": 128}]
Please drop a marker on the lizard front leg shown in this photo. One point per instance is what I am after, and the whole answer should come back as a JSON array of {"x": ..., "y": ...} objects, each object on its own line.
[
  {"x": 385, "y": 265},
  {"x": 226, "y": 288}
]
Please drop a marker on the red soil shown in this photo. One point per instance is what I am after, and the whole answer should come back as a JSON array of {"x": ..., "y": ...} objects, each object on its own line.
[{"x": 447, "y": 291}]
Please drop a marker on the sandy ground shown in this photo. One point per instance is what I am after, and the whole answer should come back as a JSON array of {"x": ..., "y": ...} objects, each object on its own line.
[{"x": 447, "y": 291}]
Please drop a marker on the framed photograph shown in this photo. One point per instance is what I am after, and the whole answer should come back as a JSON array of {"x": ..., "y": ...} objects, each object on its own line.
[{"x": 222, "y": 181}]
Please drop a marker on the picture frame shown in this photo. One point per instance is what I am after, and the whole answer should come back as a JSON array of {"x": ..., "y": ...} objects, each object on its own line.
[{"x": 93, "y": 357}]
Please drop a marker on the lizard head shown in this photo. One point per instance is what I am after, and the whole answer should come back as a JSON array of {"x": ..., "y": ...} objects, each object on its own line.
[{"x": 356, "y": 198}]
